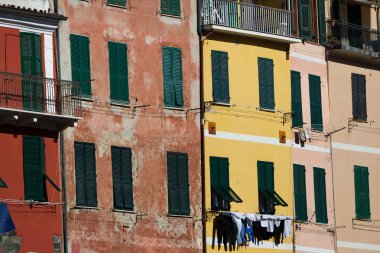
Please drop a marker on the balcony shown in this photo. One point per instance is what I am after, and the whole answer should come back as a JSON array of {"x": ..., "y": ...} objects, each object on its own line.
[
  {"x": 248, "y": 20},
  {"x": 37, "y": 102},
  {"x": 352, "y": 40}
]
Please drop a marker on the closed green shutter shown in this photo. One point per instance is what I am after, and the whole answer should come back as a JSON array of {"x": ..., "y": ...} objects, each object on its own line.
[
  {"x": 173, "y": 184},
  {"x": 80, "y": 62},
  {"x": 171, "y": 7},
  {"x": 122, "y": 177},
  {"x": 265, "y": 176},
  {"x": 362, "y": 97},
  {"x": 172, "y": 76},
  {"x": 220, "y": 79},
  {"x": 118, "y": 72},
  {"x": 117, "y": 2},
  {"x": 266, "y": 83},
  {"x": 117, "y": 178},
  {"x": 322, "y": 22},
  {"x": 305, "y": 18},
  {"x": 219, "y": 173},
  {"x": 297, "y": 120},
  {"x": 85, "y": 174},
  {"x": 362, "y": 200},
  {"x": 300, "y": 192},
  {"x": 320, "y": 195},
  {"x": 165, "y": 6},
  {"x": 315, "y": 103},
  {"x": 183, "y": 184},
  {"x": 34, "y": 167},
  {"x": 355, "y": 96}
]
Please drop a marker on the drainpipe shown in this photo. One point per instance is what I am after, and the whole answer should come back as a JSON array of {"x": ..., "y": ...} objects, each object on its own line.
[
  {"x": 61, "y": 146},
  {"x": 202, "y": 119}
]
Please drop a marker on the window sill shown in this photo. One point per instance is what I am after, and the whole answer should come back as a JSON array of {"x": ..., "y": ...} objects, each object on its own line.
[
  {"x": 171, "y": 16},
  {"x": 121, "y": 104},
  {"x": 123, "y": 211},
  {"x": 317, "y": 130},
  {"x": 179, "y": 216},
  {"x": 362, "y": 219},
  {"x": 117, "y": 6},
  {"x": 221, "y": 104},
  {"x": 86, "y": 207},
  {"x": 267, "y": 110},
  {"x": 302, "y": 221},
  {"x": 87, "y": 98},
  {"x": 174, "y": 108},
  {"x": 360, "y": 120}
]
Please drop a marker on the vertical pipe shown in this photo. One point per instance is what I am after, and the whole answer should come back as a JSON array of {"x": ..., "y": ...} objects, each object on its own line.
[{"x": 201, "y": 100}]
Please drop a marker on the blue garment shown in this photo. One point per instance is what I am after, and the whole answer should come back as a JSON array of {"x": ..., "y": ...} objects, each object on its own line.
[
  {"x": 242, "y": 234},
  {"x": 6, "y": 222}
]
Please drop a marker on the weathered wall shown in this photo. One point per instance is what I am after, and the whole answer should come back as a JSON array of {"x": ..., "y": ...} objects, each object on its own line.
[
  {"x": 244, "y": 133},
  {"x": 358, "y": 144},
  {"x": 308, "y": 59},
  {"x": 149, "y": 131}
]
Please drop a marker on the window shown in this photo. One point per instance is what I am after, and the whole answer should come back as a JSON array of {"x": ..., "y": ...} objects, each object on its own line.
[
  {"x": 221, "y": 193},
  {"x": 300, "y": 192},
  {"x": 80, "y": 62},
  {"x": 320, "y": 195},
  {"x": 362, "y": 193},
  {"x": 315, "y": 103},
  {"x": 322, "y": 22},
  {"x": 122, "y": 178},
  {"x": 268, "y": 197},
  {"x": 85, "y": 174},
  {"x": 172, "y": 73},
  {"x": 171, "y": 7},
  {"x": 220, "y": 82},
  {"x": 178, "y": 184},
  {"x": 266, "y": 83},
  {"x": 31, "y": 65},
  {"x": 305, "y": 18},
  {"x": 297, "y": 120},
  {"x": 34, "y": 168},
  {"x": 117, "y": 2},
  {"x": 359, "y": 101},
  {"x": 118, "y": 72}
]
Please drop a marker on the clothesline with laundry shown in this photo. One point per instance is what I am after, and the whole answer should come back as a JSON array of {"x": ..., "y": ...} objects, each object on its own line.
[{"x": 235, "y": 229}]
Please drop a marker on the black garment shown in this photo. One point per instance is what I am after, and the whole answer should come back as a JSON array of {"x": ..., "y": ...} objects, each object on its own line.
[{"x": 225, "y": 230}]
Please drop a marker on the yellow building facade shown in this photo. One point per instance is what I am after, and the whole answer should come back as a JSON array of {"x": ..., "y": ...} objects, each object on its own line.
[{"x": 247, "y": 91}]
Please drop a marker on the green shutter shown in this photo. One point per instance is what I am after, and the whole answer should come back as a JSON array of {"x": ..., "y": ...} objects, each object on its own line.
[
  {"x": 34, "y": 166},
  {"x": 355, "y": 96},
  {"x": 175, "y": 7},
  {"x": 266, "y": 83},
  {"x": 117, "y": 178},
  {"x": 305, "y": 18},
  {"x": 322, "y": 22},
  {"x": 165, "y": 6},
  {"x": 117, "y": 2},
  {"x": 315, "y": 103},
  {"x": 362, "y": 98},
  {"x": 169, "y": 95},
  {"x": 173, "y": 190},
  {"x": 80, "y": 62},
  {"x": 320, "y": 195},
  {"x": 362, "y": 200},
  {"x": 183, "y": 184},
  {"x": 177, "y": 75},
  {"x": 118, "y": 67},
  {"x": 85, "y": 174},
  {"x": 214, "y": 171},
  {"x": 300, "y": 192},
  {"x": 265, "y": 176},
  {"x": 297, "y": 120},
  {"x": 126, "y": 177},
  {"x": 220, "y": 79}
]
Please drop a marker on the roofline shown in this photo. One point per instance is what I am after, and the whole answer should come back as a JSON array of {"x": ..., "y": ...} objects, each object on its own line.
[{"x": 32, "y": 14}]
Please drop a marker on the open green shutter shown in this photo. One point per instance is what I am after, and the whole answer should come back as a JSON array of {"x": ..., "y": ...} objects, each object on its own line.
[
  {"x": 113, "y": 68},
  {"x": 90, "y": 171},
  {"x": 261, "y": 175},
  {"x": 322, "y": 22},
  {"x": 320, "y": 195},
  {"x": 323, "y": 196},
  {"x": 365, "y": 193},
  {"x": 317, "y": 193},
  {"x": 169, "y": 96},
  {"x": 177, "y": 75},
  {"x": 358, "y": 190},
  {"x": 126, "y": 177},
  {"x": 305, "y": 18},
  {"x": 270, "y": 83},
  {"x": 183, "y": 183},
  {"x": 224, "y": 172},
  {"x": 300, "y": 192},
  {"x": 26, "y": 68},
  {"x": 38, "y": 86},
  {"x": 297, "y": 119},
  {"x": 355, "y": 96},
  {"x": 122, "y": 63},
  {"x": 315, "y": 103},
  {"x": 216, "y": 76},
  {"x": 80, "y": 176},
  {"x": 75, "y": 57},
  {"x": 85, "y": 75},
  {"x": 262, "y": 83},
  {"x": 224, "y": 79},
  {"x": 175, "y": 7},
  {"x": 173, "y": 190},
  {"x": 362, "y": 97},
  {"x": 117, "y": 178},
  {"x": 33, "y": 159},
  {"x": 269, "y": 173},
  {"x": 165, "y": 6},
  {"x": 214, "y": 171}
]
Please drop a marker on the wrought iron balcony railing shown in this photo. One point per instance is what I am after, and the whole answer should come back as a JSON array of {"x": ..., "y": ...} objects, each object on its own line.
[
  {"x": 39, "y": 94},
  {"x": 249, "y": 17},
  {"x": 354, "y": 38}
]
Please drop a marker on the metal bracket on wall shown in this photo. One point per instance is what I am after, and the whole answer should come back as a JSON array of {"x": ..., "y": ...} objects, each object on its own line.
[{"x": 286, "y": 117}]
